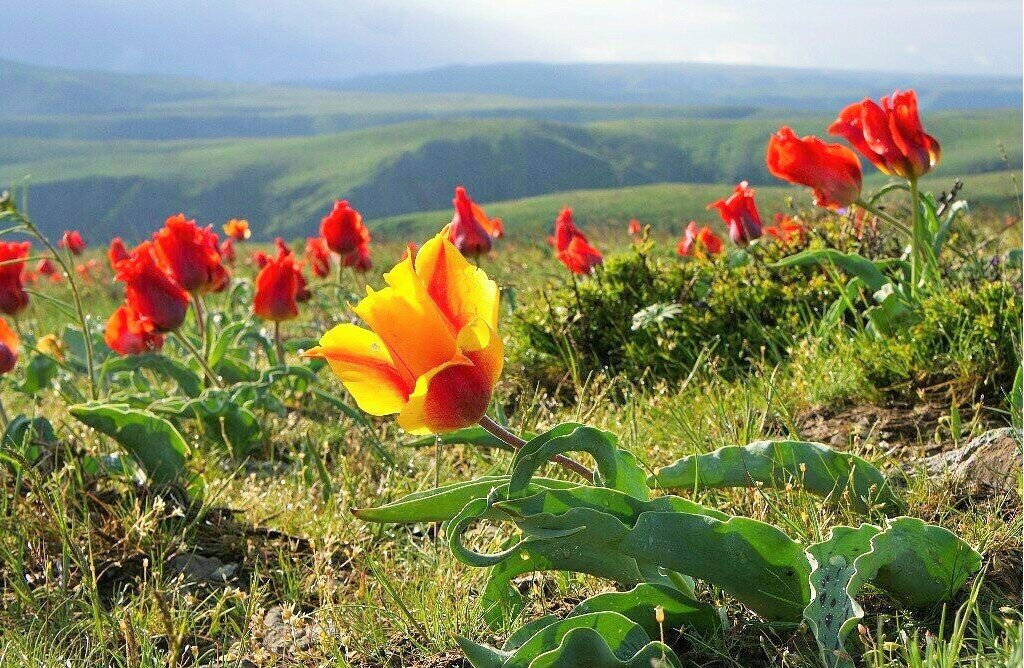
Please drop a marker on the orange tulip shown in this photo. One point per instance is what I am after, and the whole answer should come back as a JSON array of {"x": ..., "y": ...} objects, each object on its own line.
[
  {"x": 890, "y": 136},
  {"x": 237, "y": 229},
  {"x": 832, "y": 171},
  {"x": 432, "y": 353},
  {"x": 787, "y": 230},
  {"x": 8, "y": 348},
  {"x": 127, "y": 333},
  {"x": 699, "y": 237}
]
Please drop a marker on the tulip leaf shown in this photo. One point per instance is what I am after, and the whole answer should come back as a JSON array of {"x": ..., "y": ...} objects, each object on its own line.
[
  {"x": 23, "y": 436},
  {"x": 851, "y": 263},
  {"x": 919, "y": 564},
  {"x": 477, "y": 436},
  {"x": 813, "y": 466},
  {"x": 150, "y": 439},
  {"x": 639, "y": 605},
  {"x": 38, "y": 374},
  {"x": 227, "y": 421},
  {"x": 617, "y": 468},
  {"x": 187, "y": 380}
]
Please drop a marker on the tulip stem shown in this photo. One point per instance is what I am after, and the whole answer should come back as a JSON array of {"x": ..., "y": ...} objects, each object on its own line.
[
  {"x": 197, "y": 308},
  {"x": 886, "y": 217},
  {"x": 77, "y": 298},
  {"x": 210, "y": 375},
  {"x": 516, "y": 443},
  {"x": 278, "y": 344},
  {"x": 916, "y": 252}
]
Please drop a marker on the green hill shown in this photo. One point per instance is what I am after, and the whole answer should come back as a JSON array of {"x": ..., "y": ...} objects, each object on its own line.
[{"x": 284, "y": 185}]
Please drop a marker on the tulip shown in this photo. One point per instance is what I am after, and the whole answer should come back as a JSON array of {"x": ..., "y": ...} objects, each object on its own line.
[
  {"x": 72, "y": 241},
  {"x": 190, "y": 255},
  {"x": 471, "y": 230},
  {"x": 359, "y": 259},
  {"x": 161, "y": 304},
  {"x": 832, "y": 171},
  {"x": 227, "y": 251},
  {"x": 319, "y": 256},
  {"x": 13, "y": 298},
  {"x": 739, "y": 213},
  {"x": 8, "y": 348},
  {"x": 237, "y": 229},
  {"x": 786, "y": 230},
  {"x": 46, "y": 267},
  {"x": 259, "y": 258},
  {"x": 51, "y": 346},
  {"x": 432, "y": 353},
  {"x": 128, "y": 334},
  {"x": 117, "y": 252},
  {"x": 565, "y": 231},
  {"x": 579, "y": 256},
  {"x": 278, "y": 287},
  {"x": 343, "y": 228},
  {"x": 696, "y": 238},
  {"x": 890, "y": 136},
  {"x": 86, "y": 269},
  {"x": 634, "y": 227}
]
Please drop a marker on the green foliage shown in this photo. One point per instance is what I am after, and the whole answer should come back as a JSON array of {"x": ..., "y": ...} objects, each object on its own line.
[{"x": 659, "y": 547}]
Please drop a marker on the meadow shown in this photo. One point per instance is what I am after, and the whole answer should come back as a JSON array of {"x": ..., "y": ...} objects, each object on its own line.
[{"x": 563, "y": 428}]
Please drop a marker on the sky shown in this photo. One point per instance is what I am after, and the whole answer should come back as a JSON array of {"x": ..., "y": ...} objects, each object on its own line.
[{"x": 276, "y": 40}]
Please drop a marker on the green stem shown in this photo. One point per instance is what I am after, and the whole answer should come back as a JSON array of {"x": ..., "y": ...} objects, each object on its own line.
[
  {"x": 89, "y": 361},
  {"x": 507, "y": 437},
  {"x": 210, "y": 375},
  {"x": 197, "y": 308},
  {"x": 278, "y": 343},
  {"x": 341, "y": 272},
  {"x": 916, "y": 251},
  {"x": 886, "y": 217}
]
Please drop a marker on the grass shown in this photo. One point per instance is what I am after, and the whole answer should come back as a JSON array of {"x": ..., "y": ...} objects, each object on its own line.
[{"x": 87, "y": 565}]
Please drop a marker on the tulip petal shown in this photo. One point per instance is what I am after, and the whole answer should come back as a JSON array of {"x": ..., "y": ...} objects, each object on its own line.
[
  {"x": 411, "y": 325},
  {"x": 361, "y": 360},
  {"x": 462, "y": 292}
]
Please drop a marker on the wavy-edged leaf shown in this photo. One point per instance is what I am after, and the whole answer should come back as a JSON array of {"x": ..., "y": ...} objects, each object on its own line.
[
  {"x": 639, "y": 604},
  {"x": 150, "y": 439},
  {"x": 851, "y": 263},
  {"x": 38, "y": 374},
  {"x": 187, "y": 380},
  {"x": 813, "y": 466},
  {"x": 616, "y": 468},
  {"x": 918, "y": 563},
  {"x": 590, "y": 647}
]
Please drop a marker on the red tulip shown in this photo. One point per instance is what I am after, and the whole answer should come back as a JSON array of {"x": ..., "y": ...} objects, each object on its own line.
[
  {"x": 565, "y": 231},
  {"x": 227, "y": 251},
  {"x": 278, "y": 287},
  {"x": 697, "y": 238},
  {"x": 786, "y": 229},
  {"x": 259, "y": 258},
  {"x": 13, "y": 298},
  {"x": 359, "y": 259},
  {"x": 161, "y": 304},
  {"x": 46, "y": 267},
  {"x": 8, "y": 348},
  {"x": 319, "y": 256},
  {"x": 471, "y": 230},
  {"x": 579, "y": 256},
  {"x": 72, "y": 240},
  {"x": 832, "y": 171},
  {"x": 890, "y": 136},
  {"x": 86, "y": 269},
  {"x": 117, "y": 252},
  {"x": 634, "y": 227},
  {"x": 739, "y": 212},
  {"x": 343, "y": 228},
  {"x": 190, "y": 255},
  {"x": 128, "y": 334},
  {"x": 237, "y": 229}
]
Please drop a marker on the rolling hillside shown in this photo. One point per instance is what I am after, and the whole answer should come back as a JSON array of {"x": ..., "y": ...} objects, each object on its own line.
[{"x": 284, "y": 184}]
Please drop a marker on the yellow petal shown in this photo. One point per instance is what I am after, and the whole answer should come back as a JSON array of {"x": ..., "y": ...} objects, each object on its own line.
[
  {"x": 409, "y": 322},
  {"x": 462, "y": 292},
  {"x": 361, "y": 360}
]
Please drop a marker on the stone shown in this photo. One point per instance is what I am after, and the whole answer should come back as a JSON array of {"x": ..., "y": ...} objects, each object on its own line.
[
  {"x": 198, "y": 568},
  {"x": 988, "y": 464}
]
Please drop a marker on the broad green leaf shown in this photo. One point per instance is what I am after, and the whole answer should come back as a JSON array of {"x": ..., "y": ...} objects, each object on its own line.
[
  {"x": 813, "y": 466},
  {"x": 441, "y": 504},
  {"x": 616, "y": 468},
  {"x": 225, "y": 338},
  {"x": 23, "y": 435},
  {"x": 919, "y": 564},
  {"x": 590, "y": 647},
  {"x": 851, "y": 263},
  {"x": 151, "y": 440},
  {"x": 639, "y": 605},
  {"x": 477, "y": 436},
  {"x": 187, "y": 380},
  {"x": 38, "y": 374}
]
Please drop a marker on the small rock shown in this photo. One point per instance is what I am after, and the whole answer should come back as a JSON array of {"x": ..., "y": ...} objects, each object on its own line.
[
  {"x": 988, "y": 464},
  {"x": 287, "y": 634},
  {"x": 203, "y": 569}
]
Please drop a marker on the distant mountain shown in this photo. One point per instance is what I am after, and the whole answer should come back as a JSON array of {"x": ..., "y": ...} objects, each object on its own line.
[{"x": 693, "y": 84}]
